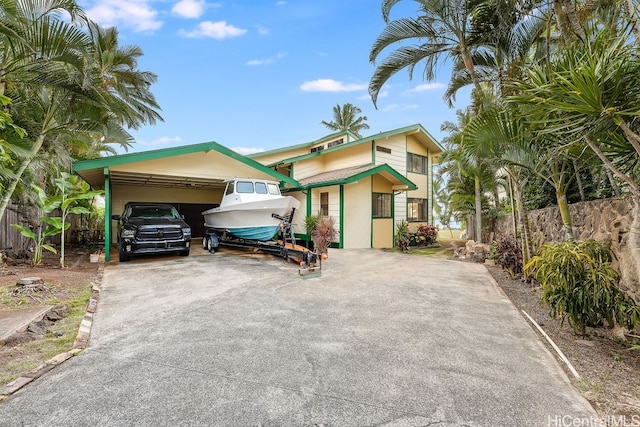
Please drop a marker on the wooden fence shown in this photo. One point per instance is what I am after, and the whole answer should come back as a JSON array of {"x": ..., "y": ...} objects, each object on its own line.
[{"x": 10, "y": 238}]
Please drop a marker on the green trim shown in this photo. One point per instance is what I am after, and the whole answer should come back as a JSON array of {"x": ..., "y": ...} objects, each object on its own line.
[
  {"x": 341, "y": 241},
  {"x": 368, "y": 139},
  {"x": 371, "y": 206},
  {"x": 107, "y": 215},
  {"x": 329, "y": 137},
  {"x": 123, "y": 159},
  {"x": 354, "y": 178}
]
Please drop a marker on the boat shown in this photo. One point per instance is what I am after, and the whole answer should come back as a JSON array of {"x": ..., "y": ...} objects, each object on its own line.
[{"x": 250, "y": 209}]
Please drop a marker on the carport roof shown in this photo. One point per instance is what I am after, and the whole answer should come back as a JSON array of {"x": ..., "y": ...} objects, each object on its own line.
[{"x": 121, "y": 171}]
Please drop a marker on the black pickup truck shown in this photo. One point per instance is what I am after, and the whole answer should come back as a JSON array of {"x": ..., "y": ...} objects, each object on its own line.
[{"x": 149, "y": 228}]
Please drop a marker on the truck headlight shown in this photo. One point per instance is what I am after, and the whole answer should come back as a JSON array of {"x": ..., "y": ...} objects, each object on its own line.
[
  {"x": 186, "y": 232},
  {"x": 128, "y": 233}
]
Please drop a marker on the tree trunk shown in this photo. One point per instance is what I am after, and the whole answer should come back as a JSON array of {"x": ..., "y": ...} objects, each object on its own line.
[
  {"x": 612, "y": 181},
  {"x": 563, "y": 205},
  {"x": 478, "y": 203},
  {"x": 13, "y": 183},
  {"x": 576, "y": 171}
]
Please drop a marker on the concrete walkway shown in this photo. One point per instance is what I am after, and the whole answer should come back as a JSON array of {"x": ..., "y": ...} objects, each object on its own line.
[{"x": 239, "y": 339}]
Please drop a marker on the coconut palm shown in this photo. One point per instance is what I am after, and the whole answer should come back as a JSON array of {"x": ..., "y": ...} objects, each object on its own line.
[
  {"x": 67, "y": 86},
  {"x": 347, "y": 118},
  {"x": 442, "y": 31}
]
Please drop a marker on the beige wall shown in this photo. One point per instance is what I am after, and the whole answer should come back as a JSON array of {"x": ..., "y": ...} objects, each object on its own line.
[
  {"x": 212, "y": 165},
  {"x": 397, "y": 159},
  {"x": 301, "y": 212},
  {"x": 357, "y": 215},
  {"x": 382, "y": 228},
  {"x": 382, "y": 233},
  {"x": 334, "y": 203},
  {"x": 355, "y": 155}
]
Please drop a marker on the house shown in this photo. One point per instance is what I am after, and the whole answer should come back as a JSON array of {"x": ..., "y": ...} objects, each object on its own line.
[{"x": 366, "y": 184}]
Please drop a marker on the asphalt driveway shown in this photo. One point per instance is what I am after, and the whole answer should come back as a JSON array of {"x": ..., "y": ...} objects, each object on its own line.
[{"x": 239, "y": 339}]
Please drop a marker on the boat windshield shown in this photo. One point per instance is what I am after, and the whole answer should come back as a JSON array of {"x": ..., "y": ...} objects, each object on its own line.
[
  {"x": 244, "y": 187},
  {"x": 261, "y": 188},
  {"x": 274, "y": 190}
]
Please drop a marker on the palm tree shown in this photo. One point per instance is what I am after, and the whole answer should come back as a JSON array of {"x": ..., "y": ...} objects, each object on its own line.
[
  {"x": 443, "y": 31},
  {"x": 127, "y": 89},
  {"x": 346, "y": 118},
  {"x": 67, "y": 86}
]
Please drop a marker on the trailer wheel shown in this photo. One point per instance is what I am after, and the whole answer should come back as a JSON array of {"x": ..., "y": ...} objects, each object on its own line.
[
  {"x": 208, "y": 244},
  {"x": 205, "y": 242}
]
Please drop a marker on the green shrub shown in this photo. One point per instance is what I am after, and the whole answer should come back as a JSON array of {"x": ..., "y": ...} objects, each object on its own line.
[
  {"x": 403, "y": 236},
  {"x": 579, "y": 283}
]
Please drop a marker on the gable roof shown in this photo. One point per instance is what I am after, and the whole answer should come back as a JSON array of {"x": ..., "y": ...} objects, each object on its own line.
[
  {"x": 353, "y": 174},
  {"x": 93, "y": 170},
  {"x": 433, "y": 144},
  {"x": 350, "y": 135}
]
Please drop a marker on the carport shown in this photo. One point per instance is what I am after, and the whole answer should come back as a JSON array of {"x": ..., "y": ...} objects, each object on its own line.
[{"x": 191, "y": 177}]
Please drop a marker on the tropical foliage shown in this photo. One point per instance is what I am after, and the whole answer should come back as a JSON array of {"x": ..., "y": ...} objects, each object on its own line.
[
  {"x": 70, "y": 90},
  {"x": 554, "y": 112},
  {"x": 579, "y": 283}
]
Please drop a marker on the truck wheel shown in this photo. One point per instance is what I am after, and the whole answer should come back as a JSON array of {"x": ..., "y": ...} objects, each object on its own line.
[{"x": 123, "y": 256}]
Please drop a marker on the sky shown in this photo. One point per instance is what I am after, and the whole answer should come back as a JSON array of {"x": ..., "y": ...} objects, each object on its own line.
[{"x": 256, "y": 75}]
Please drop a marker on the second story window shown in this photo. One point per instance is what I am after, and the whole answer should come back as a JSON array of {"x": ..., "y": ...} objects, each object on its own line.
[{"x": 416, "y": 163}]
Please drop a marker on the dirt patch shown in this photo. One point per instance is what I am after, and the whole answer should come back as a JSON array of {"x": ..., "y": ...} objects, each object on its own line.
[
  {"x": 609, "y": 368},
  {"x": 60, "y": 289}
]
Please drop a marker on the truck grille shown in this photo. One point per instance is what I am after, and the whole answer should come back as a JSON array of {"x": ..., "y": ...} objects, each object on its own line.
[{"x": 154, "y": 234}]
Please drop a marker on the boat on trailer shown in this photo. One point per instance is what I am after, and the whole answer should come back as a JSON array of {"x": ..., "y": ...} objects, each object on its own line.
[
  {"x": 253, "y": 214},
  {"x": 250, "y": 209}
]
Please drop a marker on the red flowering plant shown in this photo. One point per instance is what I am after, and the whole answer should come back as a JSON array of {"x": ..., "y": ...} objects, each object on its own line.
[{"x": 425, "y": 235}]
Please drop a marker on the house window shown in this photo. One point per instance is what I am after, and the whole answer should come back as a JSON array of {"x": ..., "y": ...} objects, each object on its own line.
[
  {"x": 334, "y": 143},
  {"x": 324, "y": 204},
  {"x": 381, "y": 205},
  {"x": 383, "y": 149},
  {"x": 318, "y": 148},
  {"x": 417, "y": 210},
  {"x": 416, "y": 163}
]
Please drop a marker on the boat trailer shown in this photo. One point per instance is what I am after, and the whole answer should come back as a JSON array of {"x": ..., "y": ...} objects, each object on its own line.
[{"x": 285, "y": 246}]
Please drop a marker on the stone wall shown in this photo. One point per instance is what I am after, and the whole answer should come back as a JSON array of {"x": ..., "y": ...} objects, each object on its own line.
[{"x": 606, "y": 220}]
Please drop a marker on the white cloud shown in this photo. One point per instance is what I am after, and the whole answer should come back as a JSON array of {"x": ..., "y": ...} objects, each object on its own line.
[
  {"x": 273, "y": 59},
  {"x": 263, "y": 31},
  {"x": 189, "y": 8},
  {"x": 281, "y": 3},
  {"x": 136, "y": 14},
  {"x": 216, "y": 30},
  {"x": 330, "y": 85},
  {"x": 428, "y": 86},
  {"x": 247, "y": 150}
]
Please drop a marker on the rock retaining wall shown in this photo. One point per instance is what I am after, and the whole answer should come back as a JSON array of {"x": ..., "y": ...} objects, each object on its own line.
[{"x": 606, "y": 220}]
